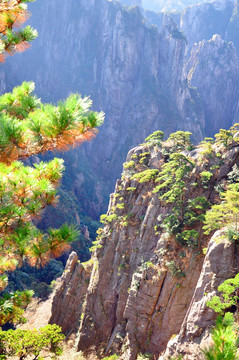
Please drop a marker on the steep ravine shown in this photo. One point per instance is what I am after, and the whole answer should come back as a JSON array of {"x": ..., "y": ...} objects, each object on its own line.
[{"x": 146, "y": 287}]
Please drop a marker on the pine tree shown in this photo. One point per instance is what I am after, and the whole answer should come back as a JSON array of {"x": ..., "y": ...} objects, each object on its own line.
[
  {"x": 13, "y": 13},
  {"x": 224, "y": 337},
  {"x": 28, "y": 127},
  {"x": 224, "y": 214}
]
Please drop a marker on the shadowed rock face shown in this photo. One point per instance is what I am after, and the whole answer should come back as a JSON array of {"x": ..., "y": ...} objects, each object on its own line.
[
  {"x": 221, "y": 262},
  {"x": 134, "y": 72},
  {"x": 145, "y": 287},
  {"x": 131, "y": 2}
]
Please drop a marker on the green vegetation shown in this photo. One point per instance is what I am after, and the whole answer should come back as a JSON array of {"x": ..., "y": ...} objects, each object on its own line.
[
  {"x": 120, "y": 206},
  {"x": 145, "y": 356},
  {"x": 144, "y": 158},
  {"x": 129, "y": 164},
  {"x": 172, "y": 178},
  {"x": 224, "y": 137},
  {"x": 145, "y": 176},
  {"x": 28, "y": 127},
  {"x": 205, "y": 178},
  {"x": 225, "y": 332},
  {"x": 12, "y": 39},
  {"x": 229, "y": 293},
  {"x": 195, "y": 210},
  {"x": 233, "y": 175},
  {"x": 96, "y": 245},
  {"x": 172, "y": 189},
  {"x": 155, "y": 138},
  {"x": 180, "y": 140},
  {"x": 225, "y": 337},
  {"x": 206, "y": 149},
  {"x": 225, "y": 213},
  {"x": 128, "y": 216},
  {"x": 24, "y": 343},
  {"x": 173, "y": 184},
  {"x": 223, "y": 142},
  {"x": 131, "y": 189},
  {"x": 144, "y": 154},
  {"x": 111, "y": 357},
  {"x": 174, "y": 269},
  {"x": 12, "y": 306},
  {"x": 108, "y": 218}
]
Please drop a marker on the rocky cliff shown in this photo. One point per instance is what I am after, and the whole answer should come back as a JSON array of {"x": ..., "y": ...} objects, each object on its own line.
[
  {"x": 202, "y": 21},
  {"x": 218, "y": 89},
  {"x": 134, "y": 72},
  {"x": 168, "y": 5},
  {"x": 150, "y": 280},
  {"x": 220, "y": 263},
  {"x": 131, "y": 2}
]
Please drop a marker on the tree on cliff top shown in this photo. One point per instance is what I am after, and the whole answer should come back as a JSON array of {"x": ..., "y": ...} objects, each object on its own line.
[{"x": 28, "y": 127}]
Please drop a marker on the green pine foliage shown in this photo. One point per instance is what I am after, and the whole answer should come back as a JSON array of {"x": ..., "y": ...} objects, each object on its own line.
[
  {"x": 229, "y": 290},
  {"x": 28, "y": 127},
  {"x": 155, "y": 138},
  {"x": 146, "y": 175},
  {"x": 224, "y": 214},
  {"x": 12, "y": 39},
  {"x": 205, "y": 178},
  {"x": 12, "y": 306},
  {"x": 224, "y": 336},
  {"x": 25, "y": 343},
  {"x": 233, "y": 175},
  {"x": 172, "y": 178},
  {"x": 180, "y": 140}
]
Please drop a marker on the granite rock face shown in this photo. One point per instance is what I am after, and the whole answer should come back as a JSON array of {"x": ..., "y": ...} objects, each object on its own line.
[
  {"x": 134, "y": 72},
  {"x": 131, "y": 2},
  {"x": 202, "y": 21},
  {"x": 168, "y": 5},
  {"x": 68, "y": 307},
  {"x": 221, "y": 262},
  {"x": 218, "y": 89},
  {"x": 147, "y": 292}
]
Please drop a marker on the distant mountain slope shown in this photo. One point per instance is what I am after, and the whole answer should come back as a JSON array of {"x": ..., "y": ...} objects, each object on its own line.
[
  {"x": 131, "y": 2},
  {"x": 169, "y": 5},
  {"x": 163, "y": 5}
]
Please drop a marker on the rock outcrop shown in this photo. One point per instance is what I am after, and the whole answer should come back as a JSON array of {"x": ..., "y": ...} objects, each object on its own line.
[
  {"x": 67, "y": 306},
  {"x": 147, "y": 291},
  {"x": 221, "y": 262}
]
